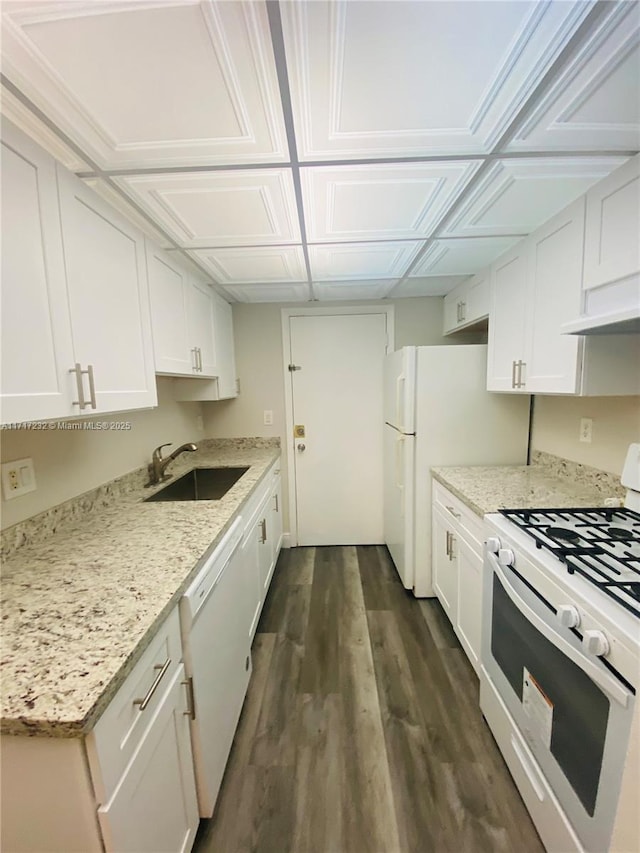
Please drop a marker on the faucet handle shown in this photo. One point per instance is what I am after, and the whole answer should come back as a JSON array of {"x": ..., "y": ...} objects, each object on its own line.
[{"x": 157, "y": 453}]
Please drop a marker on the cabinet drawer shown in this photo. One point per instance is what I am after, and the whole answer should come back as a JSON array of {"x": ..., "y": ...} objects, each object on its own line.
[
  {"x": 120, "y": 729},
  {"x": 463, "y": 519}
]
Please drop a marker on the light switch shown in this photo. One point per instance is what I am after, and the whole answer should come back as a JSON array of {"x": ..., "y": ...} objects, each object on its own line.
[{"x": 268, "y": 417}]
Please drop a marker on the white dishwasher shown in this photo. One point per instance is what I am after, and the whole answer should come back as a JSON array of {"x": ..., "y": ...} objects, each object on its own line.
[{"x": 217, "y": 659}]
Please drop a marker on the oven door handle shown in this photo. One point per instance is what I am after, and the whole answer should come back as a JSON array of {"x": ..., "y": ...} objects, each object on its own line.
[{"x": 604, "y": 681}]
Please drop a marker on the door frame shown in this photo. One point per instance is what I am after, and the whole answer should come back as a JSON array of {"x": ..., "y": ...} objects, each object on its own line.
[{"x": 289, "y": 453}]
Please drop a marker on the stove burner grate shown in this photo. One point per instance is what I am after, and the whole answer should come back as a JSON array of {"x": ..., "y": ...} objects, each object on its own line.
[{"x": 593, "y": 545}]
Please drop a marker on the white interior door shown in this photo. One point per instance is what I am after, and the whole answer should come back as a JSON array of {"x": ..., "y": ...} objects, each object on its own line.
[{"x": 337, "y": 398}]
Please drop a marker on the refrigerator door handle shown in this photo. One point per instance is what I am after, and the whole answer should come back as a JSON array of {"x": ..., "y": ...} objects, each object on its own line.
[{"x": 400, "y": 381}]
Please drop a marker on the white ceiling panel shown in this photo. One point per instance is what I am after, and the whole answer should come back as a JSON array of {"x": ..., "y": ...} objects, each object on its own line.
[
  {"x": 276, "y": 264},
  {"x": 464, "y": 256},
  {"x": 326, "y": 291},
  {"x": 595, "y": 103},
  {"x": 155, "y": 83},
  {"x": 434, "y": 285},
  {"x": 371, "y": 79},
  {"x": 269, "y": 292},
  {"x": 354, "y": 261},
  {"x": 380, "y": 202},
  {"x": 199, "y": 209},
  {"x": 517, "y": 196}
]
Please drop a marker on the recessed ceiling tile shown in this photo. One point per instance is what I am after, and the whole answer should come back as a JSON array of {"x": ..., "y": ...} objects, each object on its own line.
[
  {"x": 434, "y": 285},
  {"x": 517, "y": 196},
  {"x": 464, "y": 256},
  {"x": 276, "y": 264},
  {"x": 594, "y": 105},
  {"x": 380, "y": 202},
  {"x": 269, "y": 292},
  {"x": 326, "y": 291},
  {"x": 353, "y": 261},
  {"x": 372, "y": 79},
  {"x": 212, "y": 209},
  {"x": 156, "y": 83}
]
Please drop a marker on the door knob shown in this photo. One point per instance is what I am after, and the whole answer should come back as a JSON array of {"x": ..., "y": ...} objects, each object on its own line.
[{"x": 301, "y": 448}]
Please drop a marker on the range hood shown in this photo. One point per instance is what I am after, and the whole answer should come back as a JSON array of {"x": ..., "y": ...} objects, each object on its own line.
[{"x": 610, "y": 310}]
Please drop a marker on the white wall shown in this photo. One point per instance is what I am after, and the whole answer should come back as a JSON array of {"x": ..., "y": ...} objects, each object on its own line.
[
  {"x": 69, "y": 463},
  {"x": 616, "y": 423}
]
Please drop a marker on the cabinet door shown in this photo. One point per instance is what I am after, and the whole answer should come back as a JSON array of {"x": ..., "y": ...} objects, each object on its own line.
[
  {"x": 225, "y": 350},
  {"x": 469, "y": 618},
  {"x": 451, "y": 313},
  {"x": 476, "y": 299},
  {"x": 169, "y": 292},
  {"x": 249, "y": 551},
  {"x": 154, "y": 808},
  {"x": 265, "y": 545},
  {"x": 612, "y": 248},
  {"x": 108, "y": 298},
  {"x": 445, "y": 567},
  {"x": 37, "y": 352},
  {"x": 277, "y": 527},
  {"x": 202, "y": 327},
  {"x": 507, "y": 320},
  {"x": 555, "y": 296}
]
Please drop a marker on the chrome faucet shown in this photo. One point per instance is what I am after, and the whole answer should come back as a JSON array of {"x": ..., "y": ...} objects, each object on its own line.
[{"x": 159, "y": 463}]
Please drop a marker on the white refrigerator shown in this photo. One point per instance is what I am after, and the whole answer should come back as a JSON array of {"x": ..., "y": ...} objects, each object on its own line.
[{"x": 438, "y": 412}]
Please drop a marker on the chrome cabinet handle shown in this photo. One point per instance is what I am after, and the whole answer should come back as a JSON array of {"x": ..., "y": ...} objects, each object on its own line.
[
  {"x": 452, "y": 540},
  {"x": 163, "y": 667},
  {"x": 92, "y": 386},
  {"x": 276, "y": 499},
  {"x": 463, "y": 311},
  {"x": 199, "y": 354},
  {"x": 264, "y": 529},
  {"x": 448, "y": 545},
  {"x": 191, "y": 700},
  {"x": 194, "y": 359},
  {"x": 453, "y": 512},
  {"x": 81, "y": 401},
  {"x": 513, "y": 375},
  {"x": 521, "y": 381}
]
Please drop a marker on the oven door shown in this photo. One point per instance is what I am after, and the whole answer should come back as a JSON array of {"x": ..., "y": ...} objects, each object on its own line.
[{"x": 574, "y": 714}]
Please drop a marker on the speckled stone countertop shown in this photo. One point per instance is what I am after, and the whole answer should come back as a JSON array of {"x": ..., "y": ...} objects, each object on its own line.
[
  {"x": 80, "y": 607},
  {"x": 488, "y": 489}
]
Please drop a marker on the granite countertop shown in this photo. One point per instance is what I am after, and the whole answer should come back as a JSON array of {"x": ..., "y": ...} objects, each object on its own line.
[
  {"x": 488, "y": 489},
  {"x": 80, "y": 607}
]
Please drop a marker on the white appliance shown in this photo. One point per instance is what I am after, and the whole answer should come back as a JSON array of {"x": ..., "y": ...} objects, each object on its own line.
[
  {"x": 561, "y": 665},
  {"x": 217, "y": 661},
  {"x": 437, "y": 411}
]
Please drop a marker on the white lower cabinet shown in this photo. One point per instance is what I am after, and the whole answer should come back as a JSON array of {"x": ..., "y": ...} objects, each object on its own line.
[
  {"x": 457, "y": 568},
  {"x": 154, "y": 808}
]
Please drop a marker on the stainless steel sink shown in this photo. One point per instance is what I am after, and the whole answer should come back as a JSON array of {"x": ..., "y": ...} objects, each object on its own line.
[{"x": 201, "y": 484}]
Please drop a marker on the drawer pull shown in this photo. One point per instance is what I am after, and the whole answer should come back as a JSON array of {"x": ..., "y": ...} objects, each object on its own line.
[
  {"x": 191, "y": 699},
  {"x": 453, "y": 512},
  {"x": 163, "y": 667}
]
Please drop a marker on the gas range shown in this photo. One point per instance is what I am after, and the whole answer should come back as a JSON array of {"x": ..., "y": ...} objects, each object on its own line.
[{"x": 600, "y": 544}]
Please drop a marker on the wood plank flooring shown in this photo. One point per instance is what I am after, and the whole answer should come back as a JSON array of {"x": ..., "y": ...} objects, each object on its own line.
[{"x": 361, "y": 731}]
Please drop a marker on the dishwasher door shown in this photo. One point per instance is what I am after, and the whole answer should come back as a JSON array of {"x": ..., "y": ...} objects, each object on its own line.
[{"x": 218, "y": 659}]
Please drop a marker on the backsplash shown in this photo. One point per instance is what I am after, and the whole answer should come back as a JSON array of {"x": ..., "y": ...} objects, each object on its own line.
[
  {"x": 607, "y": 484},
  {"x": 39, "y": 527}
]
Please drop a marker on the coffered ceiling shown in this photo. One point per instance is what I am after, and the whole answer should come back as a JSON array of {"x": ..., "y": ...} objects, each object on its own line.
[{"x": 330, "y": 150}]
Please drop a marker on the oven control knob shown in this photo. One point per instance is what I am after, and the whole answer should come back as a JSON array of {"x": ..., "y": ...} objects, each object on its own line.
[
  {"x": 568, "y": 615},
  {"x": 493, "y": 544},
  {"x": 596, "y": 643},
  {"x": 506, "y": 557}
]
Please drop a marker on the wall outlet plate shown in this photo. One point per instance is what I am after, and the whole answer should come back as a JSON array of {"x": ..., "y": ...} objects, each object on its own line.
[
  {"x": 18, "y": 478},
  {"x": 586, "y": 430}
]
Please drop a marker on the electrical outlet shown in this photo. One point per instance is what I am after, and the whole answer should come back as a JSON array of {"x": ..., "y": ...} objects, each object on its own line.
[
  {"x": 586, "y": 429},
  {"x": 268, "y": 417},
  {"x": 18, "y": 478}
]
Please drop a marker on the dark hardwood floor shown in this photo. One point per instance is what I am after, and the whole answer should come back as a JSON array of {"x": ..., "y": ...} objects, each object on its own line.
[{"x": 361, "y": 731}]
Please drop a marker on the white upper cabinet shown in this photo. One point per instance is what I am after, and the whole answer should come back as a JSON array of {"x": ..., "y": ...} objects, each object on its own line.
[
  {"x": 612, "y": 245},
  {"x": 194, "y": 83},
  {"x": 37, "y": 352},
  {"x": 351, "y": 98},
  {"x": 202, "y": 328},
  {"x": 225, "y": 350},
  {"x": 535, "y": 288},
  {"x": 507, "y": 319},
  {"x": 108, "y": 298},
  {"x": 467, "y": 303},
  {"x": 169, "y": 291},
  {"x": 76, "y": 330}
]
